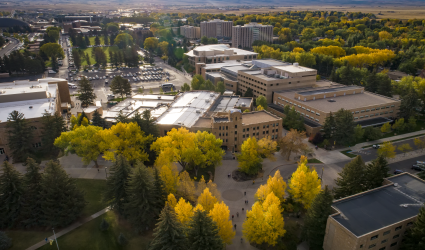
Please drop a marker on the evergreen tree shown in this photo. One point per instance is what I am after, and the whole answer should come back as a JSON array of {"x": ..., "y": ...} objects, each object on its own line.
[
  {"x": 77, "y": 59},
  {"x": 316, "y": 219},
  {"x": 249, "y": 93},
  {"x": 19, "y": 136},
  {"x": 97, "y": 41},
  {"x": 385, "y": 86},
  {"x": 169, "y": 232},
  {"x": 98, "y": 120},
  {"x": 5, "y": 242},
  {"x": 86, "y": 40},
  {"x": 122, "y": 240},
  {"x": 409, "y": 105},
  {"x": 292, "y": 119},
  {"x": 87, "y": 95},
  {"x": 372, "y": 82},
  {"x": 329, "y": 126},
  {"x": 81, "y": 117},
  {"x": 143, "y": 206},
  {"x": 376, "y": 171},
  {"x": 104, "y": 225},
  {"x": 344, "y": 127},
  {"x": 121, "y": 86},
  {"x": 159, "y": 188},
  {"x": 415, "y": 237},
  {"x": 11, "y": 190},
  {"x": 53, "y": 126},
  {"x": 203, "y": 233},
  {"x": 351, "y": 180},
  {"x": 116, "y": 184},
  {"x": 61, "y": 201},
  {"x": 31, "y": 211}
]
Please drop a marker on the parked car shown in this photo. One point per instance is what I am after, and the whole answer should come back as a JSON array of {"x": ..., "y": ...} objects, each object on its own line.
[
  {"x": 398, "y": 171},
  {"x": 418, "y": 167},
  {"x": 52, "y": 71},
  {"x": 376, "y": 146},
  {"x": 110, "y": 96}
]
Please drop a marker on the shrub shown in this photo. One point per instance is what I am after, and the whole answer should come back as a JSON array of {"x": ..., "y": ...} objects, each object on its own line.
[
  {"x": 317, "y": 139},
  {"x": 122, "y": 240},
  {"x": 5, "y": 242},
  {"x": 104, "y": 225}
]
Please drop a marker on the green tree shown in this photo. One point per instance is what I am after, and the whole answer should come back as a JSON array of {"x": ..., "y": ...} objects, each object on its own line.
[
  {"x": 31, "y": 210},
  {"x": 87, "y": 95},
  {"x": 61, "y": 201},
  {"x": 104, "y": 225},
  {"x": 117, "y": 184},
  {"x": 151, "y": 43},
  {"x": 386, "y": 128},
  {"x": 142, "y": 206},
  {"x": 97, "y": 120},
  {"x": 11, "y": 200},
  {"x": 411, "y": 124},
  {"x": 344, "y": 127},
  {"x": 249, "y": 93},
  {"x": 97, "y": 41},
  {"x": 399, "y": 125},
  {"x": 410, "y": 104},
  {"x": 169, "y": 232},
  {"x": 329, "y": 126},
  {"x": 316, "y": 218},
  {"x": 351, "y": 179},
  {"x": 307, "y": 34},
  {"x": 121, "y": 86},
  {"x": 203, "y": 233},
  {"x": 220, "y": 87},
  {"x": 19, "y": 136},
  {"x": 5, "y": 242},
  {"x": 292, "y": 119},
  {"x": 359, "y": 132},
  {"x": 261, "y": 101},
  {"x": 52, "y": 50},
  {"x": 376, "y": 171},
  {"x": 185, "y": 87},
  {"x": 159, "y": 193},
  {"x": 198, "y": 82},
  {"x": 372, "y": 133},
  {"x": 415, "y": 237},
  {"x": 53, "y": 126},
  {"x": 123, "y": 40},
  {"x": 77, "y": 58},
  {"x": 204, "y": 40}
]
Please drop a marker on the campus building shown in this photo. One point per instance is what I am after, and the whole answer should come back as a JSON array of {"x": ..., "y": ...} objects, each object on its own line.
[
  {"x": 218, "y": 53},
  {"x": 376, "y": 219},
  {"x": 244, "y": 36},
  {"x": 221, "y": 115},
  {"x": 190, "y": 32},
  {"x": 216, "y": 28},
  {"x": 32, "y": 99}
]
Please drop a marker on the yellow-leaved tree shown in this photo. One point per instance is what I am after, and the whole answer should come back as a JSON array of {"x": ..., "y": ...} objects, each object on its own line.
[
  {"x": 207, "y": 200},
  {"x": 267, "y": 147},
  {"x": 304, "y": 184},
  {"x": 170, "y": 176},
  {"x": 249, "y": 159},
  {"x": 184, "y": 211},
  {"x": 171, "y": 200},
  {"x": 220, "y": 214},
  {"x": 275, "y": 185},
  {"x": 264, "y": 223},
  {"x": 387, "y": 150},
  {"x": 201, "y": 186},
  {"x": 186, "y": 186},
  {"x": 213, "y": 189},
  {"x": 128, "y": 140}
]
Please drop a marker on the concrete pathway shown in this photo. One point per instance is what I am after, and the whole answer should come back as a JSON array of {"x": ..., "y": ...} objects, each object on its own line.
[{"x": 67, "y": 229}]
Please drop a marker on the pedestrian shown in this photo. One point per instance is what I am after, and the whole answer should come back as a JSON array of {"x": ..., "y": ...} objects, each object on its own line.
[
  {"x": 253, "y": 182},
  {"x": 228, "y": 175},
  {"x": 235, "y": 226},
  {"x": 241, "y": 240},
  {"x": 237, "y": 214},
  {"x": 233, "y": 216},
  {"x": 246, "y": 201},
  {"x": 244, "y": 193},
  {"x": 97, "y": 170}
]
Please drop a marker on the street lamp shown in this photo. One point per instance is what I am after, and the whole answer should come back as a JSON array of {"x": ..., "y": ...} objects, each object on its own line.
[
  {"x": 55, "y": 237},
  {"x": 106, "y": 172}
]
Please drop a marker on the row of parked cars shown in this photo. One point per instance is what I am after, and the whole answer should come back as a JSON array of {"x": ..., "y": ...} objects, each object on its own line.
[{"x": 419, "y": 166}]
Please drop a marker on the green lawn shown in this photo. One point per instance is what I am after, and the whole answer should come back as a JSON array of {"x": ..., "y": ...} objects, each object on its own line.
[
  {"x": 93, "y": 190},
  {"x": 313, "y": 160},
  {"x": 48, "y": 63},
  {"x": 91, "y": 38},
  {"x": 89, "y": 237},
  {"x": 89, "y": 52},
  {"x": 348, "y": 154}
]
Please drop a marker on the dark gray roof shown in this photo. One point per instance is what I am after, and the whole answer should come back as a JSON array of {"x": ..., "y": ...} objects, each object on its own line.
[
  {"x": 373, "y": 121},
  {"x": 10, "y": 22},
  {"x": 382, "y": 207}
]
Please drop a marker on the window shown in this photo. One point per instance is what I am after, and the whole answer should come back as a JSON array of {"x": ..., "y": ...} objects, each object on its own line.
[
  {"x": 258, "y": 128},
  {"x": 257, "y": 133},
  {"x": 410, "y": 223},
  {"x": 243, "y": 130},
  {"x": 367, "y": 110},
  {"x": 378, "y": 108},
  {"x": 264, "y": 126},
  {"x": 362, "y": 111},
  {"x": 219, "y": 134},
  {"x": 247, "y": 130},
  {"x": 382, "y": 248},
  {"x": 226, "y": 140},
  {"x": 227, "y": 128},
  {"x": 356, "y": 118},
  {"x": 372, "y": 110},
  {"x": 33, "y": 128},
  {"x": 226, "y": 133},
  {"x": 236, "y": 132},
  {"x": 267, "y": 126},
  {"x": 273, "y": 131},
  {"x": 236, "y": 138},
  {"x": 374, "y": 237},
  {"x": 361, "y": 117},
  {"x": 253, "y": 134},
  {"x": 361, "y": 246},
  {"x": 396, "y": 236},
  {"x": 357, "y": 112},
  {"x": 393, "y": 244},
  {"x": 276, "y": 130},
  {"x": 398, "y": 228},
  {"x": 243, "y": 136},
  {"x": 219, "y": 128},
  {"x": 264, "y": 132},
  {"x": 387, "y": 232},
  {"x": 253, "y": 128},
  {"x": 372, "y": 246},
  {"x": 236, "y": 126},
  {"x": 267, "y": 132},
  {"x": 382, "y": 242}
]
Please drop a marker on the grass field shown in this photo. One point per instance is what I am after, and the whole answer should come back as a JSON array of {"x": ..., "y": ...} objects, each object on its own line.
[
  {"x": 105, "y": 49},
  {"x": 346, "y": 152},
  {"x": 313, "y": 160},
  {"x": 93, "y": 190},
  {"x": 89, "y": 237}
]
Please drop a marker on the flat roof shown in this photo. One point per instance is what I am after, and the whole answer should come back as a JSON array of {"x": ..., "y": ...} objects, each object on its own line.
[
  {"x": 220, "y": 47},
  {"x": 382, "y": 207},
  {"x": 373, "y": 121},
  {"x": 203, "y": 122},
  {"x": 294, "y": 69},
  {"x": 258, "y": 117},
  {"x": 327, "y": 90},
  {"x": 188, "y": 108},
  {"x": 266, "y": 63},
  {"x": 347, "y": 102}
]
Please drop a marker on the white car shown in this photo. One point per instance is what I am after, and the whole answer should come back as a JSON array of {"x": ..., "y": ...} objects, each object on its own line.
[
  {"x": 110, "y": 96},
  {"x": 52, "y": 71},
  {"x": 376, "y": 146}
]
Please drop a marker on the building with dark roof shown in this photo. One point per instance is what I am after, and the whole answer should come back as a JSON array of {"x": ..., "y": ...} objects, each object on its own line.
[
  {"x": 11, "y": 22},
  {"x": 378, "y": 218}
]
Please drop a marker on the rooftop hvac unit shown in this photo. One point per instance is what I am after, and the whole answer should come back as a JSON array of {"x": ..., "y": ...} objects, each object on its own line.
[
  {"x": 30, "y": 107},
  {"x": 211, "y": 94},
  {"x": 296, "y": 64},
  {"x": 159, "y": 97},
  {"x": 2, "y": 91},
  {"x": 207, "y": 100},
  {"x": 243, "y": 104},
  {"x": 198, "y": 111}
]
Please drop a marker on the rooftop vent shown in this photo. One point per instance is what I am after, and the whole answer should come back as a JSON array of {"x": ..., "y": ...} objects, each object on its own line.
[
  {"x": 198, "y": 111},
  {"x": 395, "y": 184},
  {"x": 2, "y": 91},
  {"x": 331, "y": 100},
  {"x": 159, "y": 97},
  {"x": 243, "y": 104},
  {"x": 296, "y": 64},
  {"x": 207, "y": 100},
  {"x": 211, "y": 94},
  {"x": 30, "y": 107}
]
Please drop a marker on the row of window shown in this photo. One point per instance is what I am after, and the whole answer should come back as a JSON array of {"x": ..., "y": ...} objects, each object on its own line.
[
  {"x": 371, "y": 115},
  {"x": 373, "y": 109},
  {"x": 383, "y": 248},
  {"x": 385, "y": 240},
  {"x": 297, "y": 105},
  {"x": 253, "y": 134}
]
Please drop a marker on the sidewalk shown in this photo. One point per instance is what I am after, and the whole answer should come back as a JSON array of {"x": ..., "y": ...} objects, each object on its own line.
[
  {"x": 392, "y": 138},
  {"x": 68, "y": 229}
]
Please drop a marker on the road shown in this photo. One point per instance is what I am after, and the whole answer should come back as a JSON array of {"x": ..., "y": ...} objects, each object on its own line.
[{"x": 14, "y": 43}]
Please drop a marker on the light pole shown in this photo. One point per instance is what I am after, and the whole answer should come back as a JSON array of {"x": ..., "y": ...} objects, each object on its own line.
[
  {"x": 106, "y": 172},
  {"x": 321, "y": 177},
  {"x": 55, "y": 237}
]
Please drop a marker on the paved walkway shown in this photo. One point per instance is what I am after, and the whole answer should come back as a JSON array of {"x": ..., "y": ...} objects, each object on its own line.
[{"x": 68, "y": 229}]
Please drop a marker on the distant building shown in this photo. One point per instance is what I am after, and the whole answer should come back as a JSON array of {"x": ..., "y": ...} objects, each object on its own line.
[
  {"x": 244, "y": 36},
  {"x": 216, "y": 28},
  {"x": 33, "y": 99},
  {"x": 190, "y": 32},
  {"x": 216, "y": 53},
  {"x": 378, "y": 218}
]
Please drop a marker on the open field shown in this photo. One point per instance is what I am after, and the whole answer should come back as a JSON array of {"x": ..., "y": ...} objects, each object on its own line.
[{"x": 92, "y": 61}]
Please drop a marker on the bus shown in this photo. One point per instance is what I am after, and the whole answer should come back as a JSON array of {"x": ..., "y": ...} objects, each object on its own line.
[{"x": 167, "y": 85}]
